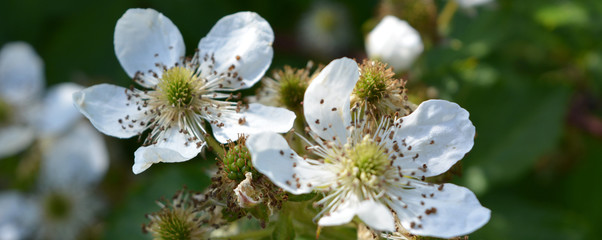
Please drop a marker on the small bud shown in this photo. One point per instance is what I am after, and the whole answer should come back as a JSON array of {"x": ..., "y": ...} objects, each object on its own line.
[{"x": 395, "y": 42}]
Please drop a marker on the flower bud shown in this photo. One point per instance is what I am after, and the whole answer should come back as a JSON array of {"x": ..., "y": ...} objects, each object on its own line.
[
  {"x": 237, "y": 161},
  {"x": 394, "y": 42}
]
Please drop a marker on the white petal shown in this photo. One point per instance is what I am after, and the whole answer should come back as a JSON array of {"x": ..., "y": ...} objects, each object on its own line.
[
  {"x": 395, "y": 42},
  {"x": 58, "y": 112},
  {"x": 144, "y": 37},
  {"x": 457, "y": 211},
  {"x": 18, "y": 215},
  {"x": 343, "y": 214},
  {"x": 272, "y": 157},
  {"x": 80, "y": 157},
  {"x": 175, "y": 147},
  {"x": 257, "y": 118},
  {"x": 14, "y": 139},
  {"x": 438, "y": 133},
  {"x": 244, "y": 40},
  {"x": 21, "y": 74},
  {"x": 326, "y": 100},
  {"x": 106, "y": 104},
  {"x": 376, "y": 215},
  {"x": 472, "y": 3}
]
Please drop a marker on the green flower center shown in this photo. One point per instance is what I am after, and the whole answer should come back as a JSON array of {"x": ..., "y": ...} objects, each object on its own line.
[
  {"x": 174, "y": 226},
  {"x": 5, "y": 112},
  {"x": 292, "y": 90},
  {"x": 366, "y": 161},
  {"x": 326, "y": 20},
  {"x": 57, "y": 206},
  {"x": 177, "y": 84},
  {"x": 371, "y": 85}
]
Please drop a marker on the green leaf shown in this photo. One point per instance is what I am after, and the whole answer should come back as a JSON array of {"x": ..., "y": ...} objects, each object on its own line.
[
  {"x": 515, "y": 126},
  {"x": 564, "y": 14},
  {"x": 283, "y": 230},
  {"x": 515, "y": 217}
]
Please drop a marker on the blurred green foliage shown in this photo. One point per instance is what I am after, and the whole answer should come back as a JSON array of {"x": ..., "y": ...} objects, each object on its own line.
[{"x": 529, "y": 73}]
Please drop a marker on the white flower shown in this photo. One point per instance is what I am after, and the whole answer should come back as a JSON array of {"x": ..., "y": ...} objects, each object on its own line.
[
  {"x": 394, "y": 42},
  {"x": 64, "y": 203},
  {"x": 325, "y": 29},
  {"x": 466, "y": 4},
  {"x": 183, "y": 93},
  {"x": 368, "y": 174},
  {"x": 25, "y": 114},
  {"x": 21, "y": 86},
  {"x": 18, "y": 215}
]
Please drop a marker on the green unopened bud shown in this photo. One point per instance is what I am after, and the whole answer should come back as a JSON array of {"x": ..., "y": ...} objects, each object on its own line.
[{"x": 237, "y": 161}]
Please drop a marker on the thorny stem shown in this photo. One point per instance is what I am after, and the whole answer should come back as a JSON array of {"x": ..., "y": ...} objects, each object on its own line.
[{"x": 446, "y": 16}]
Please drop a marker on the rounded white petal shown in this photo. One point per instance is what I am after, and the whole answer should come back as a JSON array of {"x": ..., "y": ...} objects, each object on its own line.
[
  {"x": 58, "y": 112},
  {"x": 243, "y": 40},
  {"x": 257, "y": 118},
  {"x": 174, "y": 147},
  {"x": 394, "y": 42},
  {"x": 105, "y": 105},
  {"x": 452, "y": 211},
  {"x": 343, "y": 214},
  {"x": 326, "y": 100},
  {"x": 18, "y": 216},
  {"x": 21, "y": 74},
  {"x": 472, "y": 3},
  {"x": 143, "y": 38},
  {"x": 15, "y": 138},
  {"x": 79, "y": 157},
  {"x": 376, "y": 215},
  {"x": 438, "y": 133},
  {"x": 272, "y": 157}
]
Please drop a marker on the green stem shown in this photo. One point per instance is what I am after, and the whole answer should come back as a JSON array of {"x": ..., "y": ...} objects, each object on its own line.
[
  {"x": 446, "y": 16},
  {"x": 215, "y": 146}
]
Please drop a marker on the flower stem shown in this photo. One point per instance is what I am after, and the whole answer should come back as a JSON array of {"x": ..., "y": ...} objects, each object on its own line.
[
  {"x": 446, "y": 16},
  {"x": 215, "y": 146}
]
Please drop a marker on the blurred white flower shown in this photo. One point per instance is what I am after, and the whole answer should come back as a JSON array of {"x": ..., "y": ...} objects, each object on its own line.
[
  {"x": 325, "y": 29},
  {"x": 18, "y": 215},
  {"x": 182, "y": 92},
  {"x": 371, "y": 173},
  {"x": 21, "y": 86},
  {"x": 395, "y": 42},
  {"x": 64, "y": 203},
  {"x": 25, "y": 112},
  {"x": 472, "y": 3}
]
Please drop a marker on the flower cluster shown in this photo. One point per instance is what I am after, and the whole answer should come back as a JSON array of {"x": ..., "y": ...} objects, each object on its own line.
[
  {"x": 47, "y": 130},
  {"x": 361, "y": 148}
]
